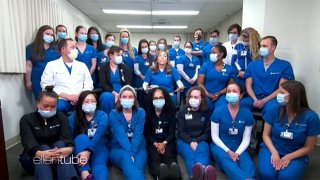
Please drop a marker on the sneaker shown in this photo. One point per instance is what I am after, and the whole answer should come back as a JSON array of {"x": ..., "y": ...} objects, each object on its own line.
[
  {"x": 174, "y": 171},
  {"x": 197, "y": 172},
  {"x": 163, "y": 171},
  {"x": 210, "y": 173}
]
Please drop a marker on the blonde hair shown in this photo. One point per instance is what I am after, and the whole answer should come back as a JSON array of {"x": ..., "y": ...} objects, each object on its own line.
[
  {"x": 254, "y": 41},
  {"x": 155, "y": 66},
  {"x": 129, "y": 42}
]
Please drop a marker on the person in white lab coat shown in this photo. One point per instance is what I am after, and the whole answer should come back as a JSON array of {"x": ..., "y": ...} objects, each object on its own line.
[
  {"x": 234, "y": 31},
  {"x": 68, "y": 76}
]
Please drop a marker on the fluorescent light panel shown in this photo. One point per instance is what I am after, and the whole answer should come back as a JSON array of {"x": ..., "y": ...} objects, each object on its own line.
[
  {"x": 151, "y": 27},
  {"x": 156, "y": 13}
]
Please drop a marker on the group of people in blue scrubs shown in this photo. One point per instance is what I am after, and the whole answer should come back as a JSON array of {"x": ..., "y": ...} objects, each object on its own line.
[{"x": 131, "y": 116}]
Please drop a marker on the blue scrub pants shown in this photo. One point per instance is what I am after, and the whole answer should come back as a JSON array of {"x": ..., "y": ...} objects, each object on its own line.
[
  {"x": 190, "y": 157},
  {"x": 174, "y": 99},
  {"x": 36, "y": 88},
  {"x": 107, "y": 102},
  {"x": 293, "y": 171},
  {"x": 64, "y": 106},
  {"x": 212, "y": 105},
  {"x": 64, "y": 170},
  {"x": 97, "y": 163},
  {"x": 131, "y": 170},
  {"x": 242, "y": 169},
  {"x": 269, "y": 106}
]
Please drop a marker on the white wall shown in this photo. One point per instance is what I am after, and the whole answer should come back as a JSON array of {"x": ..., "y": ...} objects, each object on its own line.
[{"x": 15, "y": 100}]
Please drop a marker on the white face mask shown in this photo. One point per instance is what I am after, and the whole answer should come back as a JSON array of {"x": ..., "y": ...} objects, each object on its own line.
[
  {"x": 73, "y": 54},
  {"x": 144, "y": 50},
  {"x": 187, "y": 50},
  {"x": 89, "y": 107},
  {"x": 213, "y": 57},
  {"x": 195, "y": 103},
  {"x": 153, "y": 48}
]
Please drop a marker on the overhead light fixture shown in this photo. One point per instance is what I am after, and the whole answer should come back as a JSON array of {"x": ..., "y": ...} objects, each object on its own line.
[
  {"x": 131, "y": 12},
  {"x": 151, "y": 27},
  {"x": 156, "y": 13},
  {"x": 175, "y": 13}
]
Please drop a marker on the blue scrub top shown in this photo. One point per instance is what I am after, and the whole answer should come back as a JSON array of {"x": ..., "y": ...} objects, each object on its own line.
[
  {"x": 198, "y": 47},
  {"x": 120, "y": 129},
  {"x": 189, "y": 66},
  {"x": 127, "y": 59},
  {"x": 308, "y": 124},
  {"x": 175, "y": 55},
  {"x": 222, "y": 116},
  {"x": 215, "y": 81},
  {"x": 115, "y": 80},
  {"x": 87, "y": 55},
  {"x": 166, "y": 81},
  {"x": 143, "y": 67},
  {"x": 206, "y": 51},
  {"x": 101, "y": 59},
  {"x": 266, "y": 82},
  {"x": 243, "y": 56}
]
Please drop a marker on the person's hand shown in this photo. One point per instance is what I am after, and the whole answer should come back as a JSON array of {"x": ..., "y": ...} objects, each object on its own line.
[
  {"x": 142, "y": 77},
  {"x": 116, "y": 96},
  {"x": 84, "y": 158},
  {"x": 215, "y": 96},
  {"x": 234, "y": 156},
  {"x": 179, "y": 89},
  {"x": 29, "y": 85},
  {"x": 275, "y": 160},
  {"x": 194, "y": 146},
  {"x": 161, "y": 148},
  {"x": 241, "y": 74},
  {"x": 191, "y": 81},
  {"x": 72, "y": 98},
  {"x": 259, "y": 103},
  {"x": 64, "y": 152},
  {"x": 284, "y": 162}
]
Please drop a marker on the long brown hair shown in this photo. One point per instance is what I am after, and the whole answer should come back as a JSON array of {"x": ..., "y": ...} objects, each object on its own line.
[
  {"x": 38, "y": 50},
  {"x": 129, "y": 42},
  {"x": 203, "y": 104},
  {"x": 298, "y": 102},
  {"x": 155, "y": 66}
]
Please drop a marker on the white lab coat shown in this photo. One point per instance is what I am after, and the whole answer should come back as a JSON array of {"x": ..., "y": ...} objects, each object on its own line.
[
  {"x": 230, "y": 51},
  {"x": 57, "y": 74}
]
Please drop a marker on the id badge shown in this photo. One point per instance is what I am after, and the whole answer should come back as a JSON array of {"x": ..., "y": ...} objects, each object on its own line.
[
  {"x": 286, "y": 135},
  {"x": 130, "y": 134},
  {"x": 158, "y": 131},
  {"x": 188, "y": 116},
  {"x": 177, "y": 57},
  {"x": 146, "y": 63},
  {"x": 243, "y": 53},
  {"x": 197, "y": 49},
  {"x": 91, "y": 132},
  {"x": 191, "y": 65},
  {"x": 233, "y": 131}
]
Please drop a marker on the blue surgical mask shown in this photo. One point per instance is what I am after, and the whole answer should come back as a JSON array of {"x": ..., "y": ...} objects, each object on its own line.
[
  {"x": 94, "y": 37},
  {"x": 47, "y": 114},
  {"x": 264, "y": 52},
  {"x": 281, "y": 99},
  {"x": 109, "y": 43},
  {"x": 118, "y": 60},
  {"x": 213, "y": 57},
  {"x": 124, "y": 41},
  {"x": 213, "y": 40},
  {"x": 232, "y": 98},
  {"x": 144, "y": 50},
  {"x": 176, "y": 44},
  {"x": 233, "y": 37},
  {"x": 62, "y": 35},
  {"x": 158, "y": 103},
  {"x": 82, "y": 37},
  {"x": 127, "y": 103},
  {"x": 89, "y": 108},
  {"x": 47, "y": 39},
  {"x": 161, "y": 47}
]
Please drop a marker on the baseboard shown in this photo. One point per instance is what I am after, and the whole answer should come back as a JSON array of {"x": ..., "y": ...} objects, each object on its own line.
[{"x": 12, "y": 142}]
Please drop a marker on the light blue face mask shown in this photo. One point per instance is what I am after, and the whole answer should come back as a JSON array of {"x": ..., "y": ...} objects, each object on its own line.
[
  {"x": 127, "y": 103},
  {"x": 144, "y": 50},
  {"x": 124, "y": 41},
  {"x": 213, "y": 57},
  {"x": 94, "y": 37},
  {"x": 89, "y": 108},
  {"x": 109, "y": 43},
  {"x": 281, "y": 99},
  {"x": 264, "y": 52},
  {"x": 232, "y": 98},
  {"x": 176, "y": 44},
  {"x": 161, "y": 47},
  {"x": 158, "y": 103},
  {"x": 118, "y": 60},
  {"x": 47, "y": 114},
  {"x": 47, "y": 39},
  {"x": 213, "y": 40},
  {"x": 233, "y": 37},
  {"x": 62, "y": 35},
  {"x": 82, "y": 37}
]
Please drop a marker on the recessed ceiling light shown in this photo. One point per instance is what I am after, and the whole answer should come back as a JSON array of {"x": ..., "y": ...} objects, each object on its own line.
[
  {"x": 151, "y": 27},
  {"x": 131, "y": 12},
  {"x": 175, "y": 12}
]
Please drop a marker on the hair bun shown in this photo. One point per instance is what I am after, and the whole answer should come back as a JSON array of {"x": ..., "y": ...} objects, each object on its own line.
[{"x": 49, "y": 88}]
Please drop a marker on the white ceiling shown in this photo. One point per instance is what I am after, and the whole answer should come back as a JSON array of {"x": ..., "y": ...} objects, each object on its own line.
[{"x": 212, "y": 13}]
